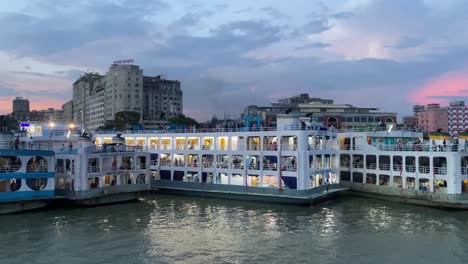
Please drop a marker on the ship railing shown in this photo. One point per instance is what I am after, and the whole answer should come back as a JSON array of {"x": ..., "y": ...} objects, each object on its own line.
[
  {"x": 25, "y": 145},
  {"x": 410, "y": 168},
  {"x": 179, "y": 164},
  {"x": 289, "y": 167},
  {"x": 345, "y": 147},
  {"x": 9, "y": 168},
  {"x": 418, "y": 147},
  {"x": 424, "y": 169},
  {"x": 397, "y": 167},
  {"x": 112, "y": 148},
  {"x": 93, "y": 169},
  {"x": 464, "y": 170},
  {"x": 192, "y": 164},
  {"x": 271, "y": 167},
  {"x": 384, "y": 166},
  {"x": 253, "y": 167},
  {"x": 36, "y": 168},
  {"x": 222, "y": 165},
  {"x": 153, "y": 162},
  {"x": 270, "y": 147},
  {"x": 237, "y": 166},
  {"x": 253, "y": 147},
  {"x": 289, "y": 147},
  {"x": 344, "y": 164},
  {"x": 440, "y": 170},
  {"x": 375, "y": 129},
  {"x": 165, "y": 163},
  {"x": 372, "y": 166},
  {"x": 180, "y": 146},
  {"x": 358, "y": 165},
  {"x": 208, "y": 164}
]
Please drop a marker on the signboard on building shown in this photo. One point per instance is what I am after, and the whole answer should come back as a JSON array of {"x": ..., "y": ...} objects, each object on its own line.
[{"x": 123, "y": 61}]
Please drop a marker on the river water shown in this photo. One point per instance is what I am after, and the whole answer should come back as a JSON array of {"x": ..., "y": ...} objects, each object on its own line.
[{"x": 180, "y": 229}]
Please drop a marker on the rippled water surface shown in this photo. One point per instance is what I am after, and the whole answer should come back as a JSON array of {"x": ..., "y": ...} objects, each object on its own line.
[{"x": 175, "y": 229}]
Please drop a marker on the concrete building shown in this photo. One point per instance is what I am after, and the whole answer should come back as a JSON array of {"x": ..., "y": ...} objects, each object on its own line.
[
  {"x": 83, "y": 90},
  {"x": 457, "y": 118},
  {"x": 324, "y": 111},
  {"x": 123, "y": 90},
  {"x": 20, "y": 105},
  {"x": 97, "y": 98},
  {"x": 162, "y": 100},
  {"x": 67, "y": 109},
  {"x": 410, "y": 121},
  {"x": 432, "y": 118}
]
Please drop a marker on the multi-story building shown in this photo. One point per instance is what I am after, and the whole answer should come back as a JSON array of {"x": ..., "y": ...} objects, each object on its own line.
[
  {"x": 410, "y": 121},
  {"x": 432, "y": 118},
  {"x": 97, "y": 98},
  {"x": 20, "y": 105},
  {"x": 162, "y": 100},
  {"x": 322, "y": 110},
  {"x": 83, "y": 90},
  {"x": 123, "y": 90},
  {"x": 67, "y": 109},
  {"x": 457, "y": 118}
]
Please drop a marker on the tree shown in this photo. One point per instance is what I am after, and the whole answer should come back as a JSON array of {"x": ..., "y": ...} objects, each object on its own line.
[
  {"x": 183, "y": 120},
  {"x": 126, "y": 119}
]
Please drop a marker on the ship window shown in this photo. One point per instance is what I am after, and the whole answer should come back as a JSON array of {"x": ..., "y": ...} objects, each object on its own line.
[
  {"x": 237, "y": 179},
  {"x": 397, "y": 181},
  {"x": 345, "y": 176},
  {"x": 410, "y": 183},
  {"x": 410, "y": 162},
  {"x": 37, "y": 164},
  {"x": 371, "y": 162},
  {"x": 270, "y": 181},
  {"x": 384, "y": 179},
  {"x": 440, "y": 185},
  {"x": 397, "y": 163},
  {"x": 424, "y": 166},
  {"x": 222, "y": 178},
  {"x": 11, "y": 185},
  {"x": 36, "y": 184},
  {"x": 440, "y": 165},
  {"x": 9, "y": 163},
  {"x": 358, "y": 177},
  {"x": 424, "y": 185},
  {"x": 384, "y": 162},
  {"x": 358, "y": 161},
  {"x": 165, "y": 175},
  {"x": 371, "y": 178}
]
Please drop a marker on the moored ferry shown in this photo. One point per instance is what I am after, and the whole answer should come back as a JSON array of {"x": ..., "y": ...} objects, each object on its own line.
[
  {"x": 399, "y": 165},
  {"x": 26, "y": 176},
  {"x": 293, "y": 164},
  {"x": 87, "y": 174}
]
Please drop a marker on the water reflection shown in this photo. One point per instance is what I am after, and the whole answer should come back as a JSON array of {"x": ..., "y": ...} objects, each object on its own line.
[{"x": 172, "y": 229}]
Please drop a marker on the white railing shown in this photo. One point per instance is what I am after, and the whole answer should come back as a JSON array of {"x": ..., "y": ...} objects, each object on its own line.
[
  {"x": 358, "y": 165},
  {"x": 424, "y": 169},
  {"x": 344, "y": 164},
  {"x": 165, "y": 163},
  {"x": 289, "y": 147},
  {"x": 93, "y": 169},
  {"x": 253, "y": 147},
  {"x": 397, "y": 167},
  {"x": 36, "y": 168},
  {"x": 289, "y": 168},
  {"x": 384, "y": 166},
  {"x": 9, "y": 168},
  {"x": 464, "y": 171},
  {"x": 372, "y": 166},
  {"x": 410, "y": 168},
  {"x": 237, "y": 166},
  {"x": 272, "y": 167},
  {"x": 208, "y": 164},
  {"x": 179, "y": 164},
  {"x": 222, "y": 165},
  {"x": 270, "y": 147},
  {"x": 253, "y": 166},
  {"x": 440, "y": 170}
]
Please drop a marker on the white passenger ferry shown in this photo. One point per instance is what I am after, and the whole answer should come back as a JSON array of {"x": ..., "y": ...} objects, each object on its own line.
[
  {"x": 88, "y": 174},
  {"x": 399, "y": 165},
  {"x": 293, "y": 164}
]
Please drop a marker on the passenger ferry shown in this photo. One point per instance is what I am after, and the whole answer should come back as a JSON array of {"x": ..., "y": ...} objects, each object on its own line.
[
  {"x": 26, "y": 176},
  {"x": 399, "y": 165},
  {"x": 296, "y": 163},
  {"x": 87, "y": 174}
]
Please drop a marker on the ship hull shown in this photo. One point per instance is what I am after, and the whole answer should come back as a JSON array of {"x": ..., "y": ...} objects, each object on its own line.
[{"x": 248, "y": 193}]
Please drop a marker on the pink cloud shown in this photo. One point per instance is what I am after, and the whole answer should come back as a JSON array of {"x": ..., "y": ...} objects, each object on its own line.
[{"x": 451, "y": 84}]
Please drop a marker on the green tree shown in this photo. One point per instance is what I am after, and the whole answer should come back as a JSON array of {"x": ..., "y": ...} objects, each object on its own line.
[
  {"x": 183, "y": 120},
  {"x": 126, "y": 119}
]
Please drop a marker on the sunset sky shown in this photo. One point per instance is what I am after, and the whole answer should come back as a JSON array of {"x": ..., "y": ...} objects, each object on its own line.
[{"x": 388, "y": 54}]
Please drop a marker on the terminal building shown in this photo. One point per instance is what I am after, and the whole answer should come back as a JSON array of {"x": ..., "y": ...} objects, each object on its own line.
[{"x": 324, "y": 111}]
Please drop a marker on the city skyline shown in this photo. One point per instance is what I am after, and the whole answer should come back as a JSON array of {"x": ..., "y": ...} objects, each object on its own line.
[{"x": 231, "y": 55}]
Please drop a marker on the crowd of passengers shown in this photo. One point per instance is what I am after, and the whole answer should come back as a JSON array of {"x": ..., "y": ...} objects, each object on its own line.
[{"x": 417, "y": 145}]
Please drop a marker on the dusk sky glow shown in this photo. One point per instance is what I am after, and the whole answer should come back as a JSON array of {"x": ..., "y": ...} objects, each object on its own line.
[{"x": 230, "y": 54}]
